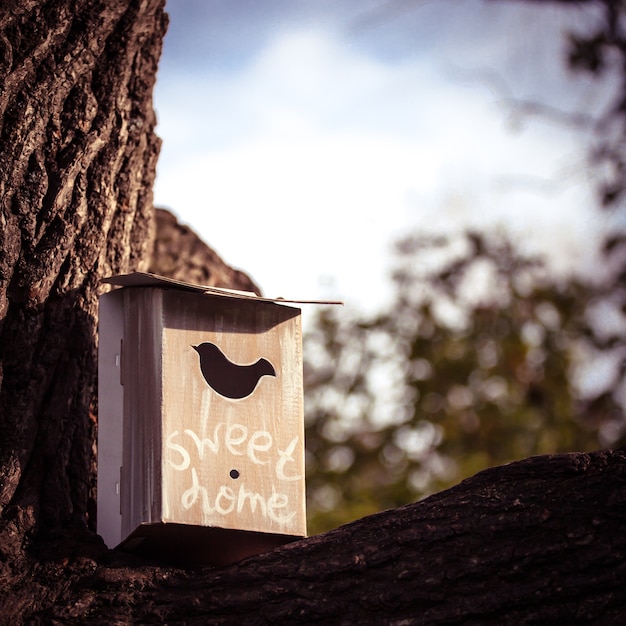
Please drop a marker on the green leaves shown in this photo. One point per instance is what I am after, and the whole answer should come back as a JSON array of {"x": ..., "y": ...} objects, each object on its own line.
[{"x": 481, "y": 359}]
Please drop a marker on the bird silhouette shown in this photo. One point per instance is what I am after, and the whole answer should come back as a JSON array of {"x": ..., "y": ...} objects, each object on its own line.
[{"x": 227, "y": 378}]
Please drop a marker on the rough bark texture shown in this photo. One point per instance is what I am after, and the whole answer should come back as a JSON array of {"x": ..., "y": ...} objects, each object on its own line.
[
  {"x": 77, "y": 165},
  {"x": 538, "y": 541}
]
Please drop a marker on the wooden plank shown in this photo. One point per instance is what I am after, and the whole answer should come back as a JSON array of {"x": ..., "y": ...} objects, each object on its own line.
[
  {"x": 234, "y": 463},
  {"x": 208, "y": 425},
  {"x": 145, "y": 279},
  {"x": 142, "y": 378},
  {"x": 110, "y": 416}
]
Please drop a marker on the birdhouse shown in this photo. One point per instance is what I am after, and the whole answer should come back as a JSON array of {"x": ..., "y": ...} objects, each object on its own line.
[{"x": 200, "y": 428}]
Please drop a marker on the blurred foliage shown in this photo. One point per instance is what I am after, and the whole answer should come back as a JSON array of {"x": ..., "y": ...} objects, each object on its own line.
[
  {"x": 600, "y": 51},
  {"x": 482, "y": 358}
]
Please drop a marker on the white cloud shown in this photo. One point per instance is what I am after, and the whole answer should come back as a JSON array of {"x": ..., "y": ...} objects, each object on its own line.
[{"x": 306, "y": 164}]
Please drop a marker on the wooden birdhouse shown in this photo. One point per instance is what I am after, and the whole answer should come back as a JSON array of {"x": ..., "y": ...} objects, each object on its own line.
[{"x": 200, "y": 429}]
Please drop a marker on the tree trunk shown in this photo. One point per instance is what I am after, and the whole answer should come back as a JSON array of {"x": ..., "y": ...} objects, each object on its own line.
[
  {"x": 537, "y": 541},
  {"x": 77, "y": 166}
]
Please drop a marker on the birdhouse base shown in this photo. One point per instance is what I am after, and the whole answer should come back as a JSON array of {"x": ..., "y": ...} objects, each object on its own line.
[{"x": 184, "y": 545}]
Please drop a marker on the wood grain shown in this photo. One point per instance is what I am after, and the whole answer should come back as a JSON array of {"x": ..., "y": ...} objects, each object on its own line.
[{"x": 192, "y": 456}]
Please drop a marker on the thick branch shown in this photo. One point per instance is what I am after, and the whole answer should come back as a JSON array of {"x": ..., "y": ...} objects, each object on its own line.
[{"x": 540, "y": 540}]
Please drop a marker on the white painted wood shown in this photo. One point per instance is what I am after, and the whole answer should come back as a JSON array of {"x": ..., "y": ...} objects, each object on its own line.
[
  {"x": 110, "y": 417},
  {"x": 198, "y": 451},
  {"x": 143, "y": 388},
  {"x": 145, "y": 279},
  {"x": 233, "y": 463}
]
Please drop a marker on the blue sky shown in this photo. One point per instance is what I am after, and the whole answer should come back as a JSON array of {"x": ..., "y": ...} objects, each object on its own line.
[{"x": 301, "y": 138}]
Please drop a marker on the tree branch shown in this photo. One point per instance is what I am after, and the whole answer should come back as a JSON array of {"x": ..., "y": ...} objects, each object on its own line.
[{"x": 536, "y": 540}]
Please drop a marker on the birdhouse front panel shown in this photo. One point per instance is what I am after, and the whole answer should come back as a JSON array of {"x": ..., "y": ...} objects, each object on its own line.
[{"x": 232, "y": 415}]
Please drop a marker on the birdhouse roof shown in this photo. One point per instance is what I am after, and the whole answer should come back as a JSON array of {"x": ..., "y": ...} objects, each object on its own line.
[{"x": 145, "y": 279}]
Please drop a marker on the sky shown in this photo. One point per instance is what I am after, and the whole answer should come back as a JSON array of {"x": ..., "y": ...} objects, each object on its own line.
[{"x": 301, "y": 138}]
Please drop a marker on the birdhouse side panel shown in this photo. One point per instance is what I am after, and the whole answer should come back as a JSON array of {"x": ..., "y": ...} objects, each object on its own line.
[
  {"x": 142, "y": 379},
  {"x": 110, "y": 416},
  {"x": 233, "y": 440}
]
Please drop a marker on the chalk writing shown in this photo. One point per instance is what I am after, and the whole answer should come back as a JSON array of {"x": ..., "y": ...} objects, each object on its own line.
[
  {"x": 260, "y": 441},
  {"x": 226, "y": 501},
  {"x": 234, "y": 439}
]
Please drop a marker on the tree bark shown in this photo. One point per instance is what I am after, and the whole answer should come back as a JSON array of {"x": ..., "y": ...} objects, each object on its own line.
[
  {"x": 537, "y": 541},
  {"x": 77, "y": 165}
]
